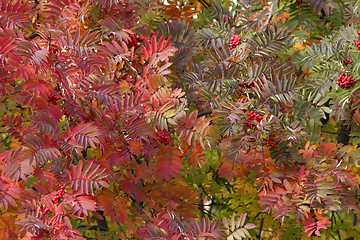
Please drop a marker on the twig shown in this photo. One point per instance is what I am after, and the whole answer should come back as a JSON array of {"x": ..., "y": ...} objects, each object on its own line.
[
  {"x": 201, "y": 206},
  {"x": 354, "y": 217},
  {"x": 260, "y": 228},
  {"x": 257, "y": 215},
  {"x": 205, "y": 112},
  {"x": 94, "y": 227},
  {"x": 269, "y": 17},
  {"x": 137, "y": 204},
  {"x": 324, "y": 131}
]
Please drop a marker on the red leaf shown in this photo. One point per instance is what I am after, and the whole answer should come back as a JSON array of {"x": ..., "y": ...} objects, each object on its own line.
[
  {"x": 107, "y": 199},
  {"x": 120, "y": 211},
  {"x": 226, "y": 170}
]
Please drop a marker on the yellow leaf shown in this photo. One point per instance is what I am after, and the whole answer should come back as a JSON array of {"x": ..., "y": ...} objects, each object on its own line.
[{"x": 300, "y": 46}]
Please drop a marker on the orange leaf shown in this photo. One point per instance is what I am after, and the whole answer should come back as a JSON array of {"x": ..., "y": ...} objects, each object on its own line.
[{"x": 327, "y": 148}]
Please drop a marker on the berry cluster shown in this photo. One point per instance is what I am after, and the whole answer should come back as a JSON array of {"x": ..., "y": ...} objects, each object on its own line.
[
  {"x": 134, "y": 42},
  {"x": 357, "y": 44},
  {"x": 53, "y": 50},
  {"x": 270, "y": 142},
  {"x": 242, "y": 100},
  {"x": 249, "y": 85},
  {"x": 53, "y": 99},
  {"x": 298, "y": 2},
  {"x": 348, "y": 61},
  {"x": 254, "y": 116},
  {"x": 163, "y": 138},
  {"x": 358, "y": 33},
  {"x": 235, "y": 41},
  {"x": 345, "y": 82},
  {"x": 59, "y": 194}
]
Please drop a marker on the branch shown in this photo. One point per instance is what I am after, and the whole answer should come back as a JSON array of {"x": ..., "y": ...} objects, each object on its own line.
[
  {"x": 269, "y": 17},
  {"x": 324, "y": 131},
  {"x": 34, "y": 35},
  {"x": 102, "y": 223},
  {"x": 354, "y": 217},
  {"x": 93, "y": 227},
  {"x": 204, "y": 3},
  {"x": 205, "y": 112},
  {"x": 260, "y": 228},
  {"x": 137, "y": 204},
  {"x": 343, "y": 135}
]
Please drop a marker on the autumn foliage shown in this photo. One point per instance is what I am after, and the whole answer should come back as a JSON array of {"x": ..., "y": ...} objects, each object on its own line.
[{"x": 187, "y": 119}]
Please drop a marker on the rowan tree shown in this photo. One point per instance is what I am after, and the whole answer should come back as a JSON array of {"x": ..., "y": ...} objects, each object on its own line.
[{"x": 151, "y": 119}]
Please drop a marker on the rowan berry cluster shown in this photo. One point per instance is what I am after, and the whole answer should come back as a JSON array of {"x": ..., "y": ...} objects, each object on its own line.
[
  {"x": 59, "y": 194},
  {"x": 254, "y": 116},
  {"x": 242, "y": 100},
  {"x": 134, "y": 42},
  {"x": 235, "y": 41},
  {"x": 270, "y": 142},
  {"x": 249, "y": 85},
  {"x": 53, "y": 50},
  {"x": 298, "y": 2},
  {"x": 163, "y": 138},
  {"x": 53, "y": 99},
  {"x": 357, "y": 44},
  {"x": 348, "y": 61},
  {"x": 345, "y": 82}
]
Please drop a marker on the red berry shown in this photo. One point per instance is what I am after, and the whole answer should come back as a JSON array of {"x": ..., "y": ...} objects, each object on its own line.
[
  {"x": 253, "y": 116},
  {"x": 53, "y": 50},
  {"x": 271, "y": 142},
  {"x": 348, "y": 61},
  {"x": 357, "y": 44},
  {"x": 235, "y": 41},
  {"x": 132, "y": 42},
  {"x": 345, "y": 82},
  {"x": 249, "y": 85},
  {"x": 163, "y": 138}
]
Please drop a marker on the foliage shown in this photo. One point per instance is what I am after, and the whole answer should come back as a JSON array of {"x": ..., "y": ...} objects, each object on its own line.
[{"x": 176, "y": 119}]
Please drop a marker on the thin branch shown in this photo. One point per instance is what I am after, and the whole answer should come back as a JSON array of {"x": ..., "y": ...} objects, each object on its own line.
[
  {"x": 260, "y": 228},
  {"x": 354, "y": 216},
  {"x": 205, "y": 112},
  {"x": 269, "y": 17},
  {"x": 324, "y": 131},
  {"x": 94, "y": 227}
]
